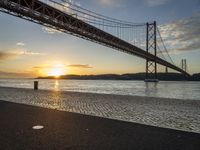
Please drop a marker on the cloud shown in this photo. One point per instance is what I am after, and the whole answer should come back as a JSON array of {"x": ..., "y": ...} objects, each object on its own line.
[
  {"x": 50, "y": 30},
  {"x": 15, "y": 74},
  {"x": 182, "y": 35},
  {"x": 107, "y": 2},
  {"x": 111, "y": 3},
  {"x": 39, "y": 67},
  {"x": 49, "y": 67},
  {"x": 20, "y": 44},
  {"x": 152, "y": 3},
  {"x": 79, "y": 66},
  {"x": 73, "y": 2},
  {"x": 30, "y": 53},
  {"x": 63, "y": 66},
  {"x": 6, "y": 55}
]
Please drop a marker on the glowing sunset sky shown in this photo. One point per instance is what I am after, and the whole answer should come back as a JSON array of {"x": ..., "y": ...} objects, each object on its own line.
[{"x": 30, "y": 50}]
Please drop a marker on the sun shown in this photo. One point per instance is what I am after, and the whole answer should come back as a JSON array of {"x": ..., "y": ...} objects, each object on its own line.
[{"x": 57, "y": 70}]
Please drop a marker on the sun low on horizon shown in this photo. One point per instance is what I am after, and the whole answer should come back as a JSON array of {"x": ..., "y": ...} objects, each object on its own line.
[{"x": 56, "y": 70}]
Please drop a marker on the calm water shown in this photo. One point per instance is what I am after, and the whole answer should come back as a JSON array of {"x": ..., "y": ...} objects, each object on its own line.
[{"x": 179, "y": 90}]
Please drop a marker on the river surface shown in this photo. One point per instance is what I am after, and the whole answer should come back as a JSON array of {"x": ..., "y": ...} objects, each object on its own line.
[{"x": 173, "y": 89}]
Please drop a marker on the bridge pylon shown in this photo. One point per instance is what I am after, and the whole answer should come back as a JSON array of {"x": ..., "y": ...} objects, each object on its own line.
[
  {"x": 184, "y": 65},
  {"x": 151, "y": 47},
  {"x": 166, "y": 69}
]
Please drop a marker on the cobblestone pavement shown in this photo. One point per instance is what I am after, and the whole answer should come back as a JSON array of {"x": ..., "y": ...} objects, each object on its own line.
[{"x": 167, "y": 113}]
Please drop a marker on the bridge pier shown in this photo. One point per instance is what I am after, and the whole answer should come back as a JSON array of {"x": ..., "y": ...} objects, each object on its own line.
[{"x": 151, "y": 47}]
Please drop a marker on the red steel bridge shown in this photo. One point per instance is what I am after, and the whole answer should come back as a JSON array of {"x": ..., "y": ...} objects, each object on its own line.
[{"x": 140, "y": 39}]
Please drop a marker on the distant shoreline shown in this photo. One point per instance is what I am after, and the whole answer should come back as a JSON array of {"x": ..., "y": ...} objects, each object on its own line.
[{"x": 136, "y": 76}]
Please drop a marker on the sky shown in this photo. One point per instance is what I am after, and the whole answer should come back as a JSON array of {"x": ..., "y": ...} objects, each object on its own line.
[{"x": 31, "y": 50}]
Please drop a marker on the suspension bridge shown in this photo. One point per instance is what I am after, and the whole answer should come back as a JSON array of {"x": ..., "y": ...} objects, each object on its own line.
[{"x": 140, "y": 39}]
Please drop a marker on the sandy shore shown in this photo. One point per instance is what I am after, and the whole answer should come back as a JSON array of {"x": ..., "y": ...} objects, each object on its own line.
[{"x": 168, "y": 113}]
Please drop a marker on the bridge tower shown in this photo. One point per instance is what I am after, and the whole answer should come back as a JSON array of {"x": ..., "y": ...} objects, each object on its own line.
[
  {"x": 166, "y": 69},
  {"x": 151, "y": 47},
  {"x": 184, "y": 64}
]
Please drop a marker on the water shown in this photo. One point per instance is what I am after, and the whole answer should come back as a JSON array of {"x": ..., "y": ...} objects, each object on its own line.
[{"x": 172, "y": 89}]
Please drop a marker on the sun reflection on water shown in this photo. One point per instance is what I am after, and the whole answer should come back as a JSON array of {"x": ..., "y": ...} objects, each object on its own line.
[{"x": 56, "y": 85}]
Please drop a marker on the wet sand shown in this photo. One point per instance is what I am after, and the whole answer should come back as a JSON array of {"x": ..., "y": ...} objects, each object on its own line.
[{"x": 72, "y": 131}]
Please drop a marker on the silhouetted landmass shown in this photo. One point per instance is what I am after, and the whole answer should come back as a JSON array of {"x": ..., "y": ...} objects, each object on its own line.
[{"x": 136, "y": 76}]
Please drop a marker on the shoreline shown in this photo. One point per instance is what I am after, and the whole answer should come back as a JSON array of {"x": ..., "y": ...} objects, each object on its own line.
[
  {"x": 160, "y": 112},
  {"x": 130, "y": 76},
  {"x": 136, "y": 96}
]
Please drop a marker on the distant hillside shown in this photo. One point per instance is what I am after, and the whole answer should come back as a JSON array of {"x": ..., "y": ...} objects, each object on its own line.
[
  {"x": 136, "y": 76},
  {"x": 196, "y": 77}
]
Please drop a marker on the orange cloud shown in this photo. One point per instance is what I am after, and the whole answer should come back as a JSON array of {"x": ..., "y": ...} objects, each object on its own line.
[
  {"x": 79, "y": 66},
  {"x": 6, "y": 55},
  {"x": 66, "y": 66},
  {"x": 15, "y": 74}
]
